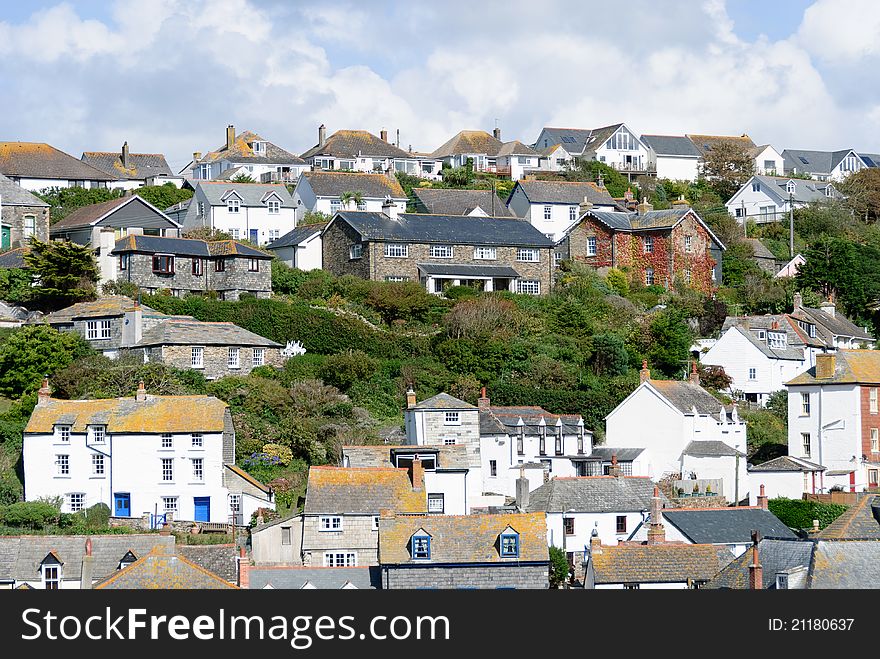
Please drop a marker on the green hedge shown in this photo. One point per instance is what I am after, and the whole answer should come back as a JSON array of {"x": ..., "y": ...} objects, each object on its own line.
[{"x": 799, "y": 514}]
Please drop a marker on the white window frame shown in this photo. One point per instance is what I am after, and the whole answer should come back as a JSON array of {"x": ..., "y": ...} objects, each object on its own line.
[
  {"x": 872, "y": 400},
  {"x": 166, "y": 440},
  {"x": 106, "y": 329},
  {"x": 688, "y": 247},
  {"x": 232, "y": 358},
  {"x": 396, "y": 250},
  {"x": 528, "y": 255},
  {"x": 169, "y": 504},
  {"x": 62, "y": 464},
  {"x": 273, "y": 206},
  {"x": 198, "y": 469},
  {"x": 233, "y": 206},
  {"x": 259, "y": 357},
  {"x": 592, "y": 244},
  {"x": 777, "y": 340},
  {"x": 434, "y": 497},
  {"x": 572, "y": 213},
  {"x": 340, "y": 559},
  {"x": 875, "y": 440},
  {"x": 51, "y": 582},
  {"x": 806, "y": 444},
  {"x": 528, "y": 286},
  {"x": 441, "y": 251},
  {"x": 329, "y": 523},
  {"x": 197, "y": 359},
  {"x": 805, "y": 404},
  {"x": 649, "y": 276},
  {"x": 63, "y": 434},
  {"x": 91, "y": 330},
  {"x": 396, "y": 278},
  {"x": 356, "y": 251},
  {"x": 197, "y": 440},
  {"x": 451, "y": 418},
  {"x": 78, "y": 504},
  {"x": 648, "y": 244},
  {"x": 687, "y": 275},
  {"x": 483, "y": 253},
  {"x": 167, "y": 474},
  {"x": 97, "y": 464}
]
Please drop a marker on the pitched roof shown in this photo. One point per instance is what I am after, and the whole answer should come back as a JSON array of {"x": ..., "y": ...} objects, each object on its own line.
[
  {"x": 836, "y": 325},
  {"x": 104, "y": 307},
  {"x": 565, "y": 192},
  {"x": 458, "y": 539},
  {"x": 157, "y": 414},
  {"x": 787, "y": 353},
  {"x": 186, "y": 247},
  {"x": 663, "y": 563},
  {"x": 291, "y": 577},
  {"x": 659, "y": 219},
  {"x": 850, "y": 367},
  {"x": 593, "y": 494},
  {"x": 813, "y": 162},
  {"x": 354, "y": 144},
  {"x": 710, "y": 448},
  {"x": 297, "y": 236},
  {"x": 623, "y": 454},
  {"x": 252, "y": 195},
  {"x": 444, "y": 401},
  {"x": 161, "y": 569},
  {"x": 447, "y": 201},
  {"x": 859, "y": 522},
  {"x": 221, "y": 560},
  {"x": 805, "y": 190},
  {"x": 335, "y": 184},
  {"x": 242, "y": 474},
  {"x": 242, "y": 151},
  {"x": 775, "y": 556},
  {"x": 759, "y": 250},
  {"x": 516, "y": 148},
  {"x": 726, "y": 525},
  {"x": 469, "y": 142},
  {"x": 795, "y": 337},
  {"x": 341, "y": 490},
  {"x": 786, "y": 463},
  {"x": 672, "y": 145},
  {"x": 506, "y": 420},
  {"x": 196, "y": 332},
  {"x": 448, "y": 457},
  {"x": 467, "y": 270},
  {"x": 705, "y": 143},
  {"x": 39, "y": 160},
  {"x": 685, "y": 396},
  {"x": 570, "y": 139},
  {"x": 846, "y": 564},
  {"x": 452, "y": 229},
  {"x": 13, "y": 194},
  {"x": 138, "y": 165},
  {"x": 90, "y": 215},
  {"x": 14, "y": 258}
]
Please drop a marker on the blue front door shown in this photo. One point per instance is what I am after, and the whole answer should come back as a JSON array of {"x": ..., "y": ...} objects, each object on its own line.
[
  {"x": 202, "y": 509},
  {"x": 254, "y": 236},
  {"x": 122, "y": 504}
]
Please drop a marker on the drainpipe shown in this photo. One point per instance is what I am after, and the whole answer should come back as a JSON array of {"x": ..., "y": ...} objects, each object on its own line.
[{"x": 820, "y": 438}]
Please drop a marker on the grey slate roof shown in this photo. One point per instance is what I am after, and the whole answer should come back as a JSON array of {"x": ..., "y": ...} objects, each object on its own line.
[
  {"x": 817, "y": 162},
  {"x": 838, "y": 325},
  {"x": 335, "y": 184},
  {"x": 253, "y": 195},
  {"x": 775, "y": 556},
  {"x": 92, "y": 214},
  {"x": 448, "y": 456},
  {"x": 195, "y": 332},
  {"x": 448, "y": 201},
  {"x": 356, "y": 143},
  {"x": 106, "y": 306},
  {"x": 40, "y": 160},
  {"x": 661, "y": 563},
  {"x": 786, "y": 463},
  {"x": 565, "y": 192},
  {"x": 185, "y": 247},
  {"x": 467, "y": 269},
  {"x": 727, "y": 525},
  {"x": 870, "y": 159},
  {"x": 296, "y": 236},
  {"x": 861, "y": 521},
  {"x": 805, "y": 190},
  {"x": 452, "y": 229},
  {"x": 138, "y": 166},
  {"x": 652, "y": 220},
  {"x": 322, "y": 578},
  {"x": 685, "y": 396},
  {"x": 759, "y": 250},
  {"x": 14, "y": 258},
  {"x": 444, "y": 401},
  {"x": 790, "y": 354},
  {"x": 846, "y": 564},
  {"x": 218, "y": 559},
  {"x": 605, "y": 453},
  {"x": 710, "y": 449},
  {"x": 794, "y": 337},
  {"x": 671, "y": 145},
  {"x": 571, "y": 139},
  {"x": 13, "y": 194},
  {"x": 498, "y": 419},
  {"x": 594, "y": 494}
]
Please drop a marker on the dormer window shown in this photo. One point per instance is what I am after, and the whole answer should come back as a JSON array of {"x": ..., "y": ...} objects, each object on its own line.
[
  {"x": 829, "y": 191},
  {"x": 63, "y": 434},
  {"x": 776, "y": 340},
  {"x": 126, "y": 560},
  {"x": 50, "y": 569},
  {"x": 274, "y": 206},
  {"x": 97, "y": 434},
  {"x": 509, "y": 544},
  {"x": 259, "y": 148},
  {"x": 756, "y": 186},
  {"x": 420, "y": 546},
  {"x": 233, "y": 205},
  {"x": 790, "y": 187}
]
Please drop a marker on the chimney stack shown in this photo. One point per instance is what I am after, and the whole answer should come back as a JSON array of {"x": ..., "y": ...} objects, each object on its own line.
[
  {"x": 825, "y": 365},
  {"x": 230, "y": 137},
  {"x": 816, "y": 528},
  {"x": 397, "y": 143},
  {"x": 828, "y": 307},
  {"x": 656, "y": 530},
  {"x": 141, "y": 394},
  {"x": 44, "y": 392},
  {"x": 125, "y": 154},
  {"x": 244, "y": 576},
  {"x": 322, "y": 135},
  {"x": 595, "y": 542},
  {"x": 483, "y": 400},
  {"x": 417, "y": 475},
  {"x": 496, "y": 133},
  {"x": 798, "y": 302},
  {"x": 88, "y": 568},
  {"x": 762, "y": 499},
  {"x": 615, "y": 468},
  {"x": 585, "y": 206},
  {"x": 383, "y": 135},
  {"x": 644, "y": 374},
  {"x": 694, "y": 377},
  {"x": 756, "y": 572},
  {"x": 197, "y": 155},
  {"x": 600, "y": 182},
  {"x": 522, "y": 491},
  {"x": 644, "y": 207},
  {"x": 410, "y": 397},
  {"x": 390, "y": 208}
]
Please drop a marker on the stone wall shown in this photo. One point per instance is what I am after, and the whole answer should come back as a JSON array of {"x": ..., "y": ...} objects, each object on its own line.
[
  {"x": 230, "y": 283},
  {"x": 13, "y": 216},
  {"x": 694, "y": 503},
  {"x": 467, "y": 432},
  {"x": 357, "y": 534},
  {"x": 335, "y": 246},
  {"x": 501, "y": 575},
  {"x": 113, "y": 343},
  {"x": 215, "y": 359},
  {"x": 577, "y": 243}
]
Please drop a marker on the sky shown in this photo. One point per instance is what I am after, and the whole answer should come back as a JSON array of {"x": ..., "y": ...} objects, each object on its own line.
[{"x": 168, "y": 76}]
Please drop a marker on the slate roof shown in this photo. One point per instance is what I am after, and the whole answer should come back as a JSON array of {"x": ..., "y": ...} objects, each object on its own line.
[
  {"x": 498, "y": 419},
  {"x": 623, "y": 454},
  {"x": 710, "y": 449},
  {"x": 837, "y": 325},
  {"x": 794, "y": 336},
  {"x": 467, "y": 270},
  {"x": 789, "y": 353},
  {"x": 243, "y": 475},
  {"x": 870, "y": 159},
  {"x": 672, "y": 145},
  {"x": 15, "y": 195},
  {"x": 138, "y": 166},
  {"x": 448, "y": 457},
  {"x": 164, "y": 570},
  {"x": 572, "y": 140},
  {"x": 858, "y": 522},
  {"x": 775, "y": 556},
  {"x": 446, "y": 201},
  {"x": 354, "y": 144},
  {"x": 565, "y": 192},
  {"x": 322, "y": 578},
  {"x": 665, "y": 563},
  {"x": 221, "y": 560},
  {"x": 685, "y": 396},
  {"x": 817, "y": 162},
  {"x": 252, "y": 195},
  {"x": 444, "y": 401},
  {"x": 469, "y": 142},
  {"x": 704, "y": 143},
  {"x": 786, "y": 463},
  {"x": 759, "y": 250},
  {"x": 106, "y": 306},
  {"x": 451, "y": 229},
  {"x": 14, "y": 258},
  {"x": 90, "y": 215},
  {"x": 846, "y": 564},
  {"x": 196, "y": 332},
  {"x": 651, "y": 220},
  {"x": 805, "y": 190},
  {"x": 727, "y": 525},
  {"x": 297, "y": 236},
  {"x": 364, "y": 491},
  {"x": 463, "y": 539},
  {"x": 242, "y": 152},
  {"x": 850, "y": 367},
  {"x": 335, "y": 184},
  {"x": 157, "y": 414},
  {"x": 593, "y": 494},
  {"x": 516, "y": 148},
  {"x": 186, "y": 247},
  {"x": 40, "y": 160},
  {"x": 20, "y": 556}
]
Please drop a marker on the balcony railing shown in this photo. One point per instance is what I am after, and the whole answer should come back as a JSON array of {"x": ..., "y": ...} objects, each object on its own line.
[{"x": 279, "y": 177}]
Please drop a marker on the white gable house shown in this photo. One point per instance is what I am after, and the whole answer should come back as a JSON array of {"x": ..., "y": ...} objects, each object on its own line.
[{"x": 769, "y": 198}]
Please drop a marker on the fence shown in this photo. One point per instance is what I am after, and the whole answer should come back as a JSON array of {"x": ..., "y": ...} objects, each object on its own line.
[{"x": 844, "y": 498}]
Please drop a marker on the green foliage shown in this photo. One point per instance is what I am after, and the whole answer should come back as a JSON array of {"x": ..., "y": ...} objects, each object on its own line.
[
  {"x": 671, "y": 340},
  {"x": 63, "y": 201},
  {"x": 400, "y": 300},
  {"x": 64, "y": 272},
  {"x": 799, "y": 514},
  {"x": 242, "y": 178},
  {"x": 351, "y": 199},
  {"x": 120, "y": 287},
  {"x": 314, "y": 217},
  {"x": 206, "y": 233},
  {"x": 559, "y": 568},
  {"x": 460, "y": 292},
  {"x": 29, "y": 514},
  {"x": 283, "y": 454},
  {"x": 33, "y": 352},
  {"x": 458, "y": 177},
  {"x": 617, "y": 281},
  {"x": 610, "y": 357},
  {"x": 346, "y": 368},
  {"x": 777, "y": 403},
  {"x": 767, "y": 435},
  {"x": 97, "y": 517},
  {"x": 15, "y": 285},
  {"x": 163, "y": 196},
  {"x": 726, "y": 167},
  {"x": 590, "y": 170}
]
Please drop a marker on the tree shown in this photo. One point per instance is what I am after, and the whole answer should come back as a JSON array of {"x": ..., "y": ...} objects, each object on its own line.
[
  {"x": 63, "y": 273},
  {"x": 862, "y": 190},
  {"x": 15, "y": 285},
  {"x": 163, "y": 196},
  {"x": 590, "y": 170},
  {"x": 33, "y": 352},
  {"x": 313, "y": 217},
  {"x": 348, "y": 197},
  {"x": 458, "y": 177},
  {"x": 671, "y": 340},
  {"x": 726, "y": 167},
  {"x": 242, "y": 178},
  {"x": 559, "y": 567},
  {"x": 207, "y": 233},
  {"x": 63, "y": 201},
  {"x": 610, "y": 356}
]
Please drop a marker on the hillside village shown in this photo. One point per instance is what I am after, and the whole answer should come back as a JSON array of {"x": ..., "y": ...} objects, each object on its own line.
[{"x": 595, "y": 359}]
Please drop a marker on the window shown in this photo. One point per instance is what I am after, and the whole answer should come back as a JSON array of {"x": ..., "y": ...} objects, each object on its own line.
[
  {"x": 123, "y": 261},
  {"x": 829, "y": 191},
  {"x": 805, "y": 404},
  {"x": 335, "y": 206},
  {"x": 520, "y": 449},
  {"x": 274, "y": 206},
  {"x": 547, "y": 465},
  {"x": 649, "y": 276},
  {"x": 649, "y": 244},
  {"x": 235, "y": 506},
  {"x": 198, "y": 469},
  {"x": 356, "y": 251},
  {"x": 631, "y": 586},
  {"x": 805, "y": 441},
  {"x": 542, "y": 445},
  {"x": 776, "y": 340},
  {"x": 340, "y": 559},
  {"x": 169, "y": 504},
  {"x": 872, "y": 400},
  {"x": 197, "y": 267},
  {"x": 558, "y": 446},
  {"x": 528, "y": 286},
  {"x": 167, "y": 440},
  {"x": 441, "y": 251},
  {"x": 202, "y": 206},
  {"x": 789, "y": 187},
  {"x": 572, "y": 213},
  {"x": 509, "y": 545},
  {"x": 396, "y": 278},
  {"x": 767, "y": 213},
  {"x": 421, "y": 547},
  {"x": 362, "y": 205},
  {"x": 451, "y": 419},
  {"x": 285, "y": 535},
  {"x": 484, "y": 253},
  {"x": 198, "y": 357},
  {"x": 220, "y": 265},
  {"x": 396, "y": 250},
  {"x": 621, "y": 524},
  {"x": 52, "y": 577},
  {"x": 259, "y": 356},
  {"x": 580, "y": 445},
  {"x": 253, "y": 265},
  {"x": 739, "y": 212},
  {"x": 235, "y": 232},
  {"x": 875, "y": 443},
  {"x": 232, "y": 358},
  {"x": 232, "y": 205},
  {"x": 548, "y": 212},
  {"x": 528, "y": 255},
  {"x": 568, "y": 525},
  {"x": 75, "y": 501},
  {"x": 163, "y": 264},
  {"x": 330, "y": 523},
  {"x": 375, "y": 522},
  {"x": 435, "y": 503},
  {"x": 91, "y": 329},
  {"x": 756, "y": 186},
  {"x": 557, "y": 257},
  {"x": 873, "y": 475},
  {"x": 29, "y": 226},
  {"x": 62, "y": 465},
  {"x": 687, "y": 244},
  {"x": 493, "y": 467},
  {"x": 63, "y": 434},
  {"x": 167, "y": 469},
  {"x": 591, "y": 246},
  {"x": 274, "y": 234},
  {"x": 762, "y": 334},
  {"x": 197, "y": 440},
  {"x": 97, "y": 464},
  {"x": 753, "y": 374},
  {"x": 258, "y": 147}
]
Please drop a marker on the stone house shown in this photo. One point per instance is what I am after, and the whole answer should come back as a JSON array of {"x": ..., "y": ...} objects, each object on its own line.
[
  {"x": 655, "y": 247},
  {"x": 22, "y": 215},
  {"x": 438, "y": 251},
  {"x": 129, "y": 170},
  {"x": 340, "y": 525},
  {"x": 504, "y": 551},
  {"x": 184, "y": 265}
]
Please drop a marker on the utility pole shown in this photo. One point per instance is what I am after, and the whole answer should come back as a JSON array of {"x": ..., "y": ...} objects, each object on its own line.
[{"x": 790, "y": 227}]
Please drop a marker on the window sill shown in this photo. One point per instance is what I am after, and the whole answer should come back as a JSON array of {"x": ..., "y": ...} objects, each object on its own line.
[
  {"x": 65, "y": 478},
  {"x": 196, "y": 483},
  {"x": 97, "y": 478},
  {"x": 166, "y": 483}
]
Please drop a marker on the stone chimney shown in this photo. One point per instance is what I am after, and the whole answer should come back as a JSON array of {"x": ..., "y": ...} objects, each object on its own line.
[
  {"x": 197, "y": 155},
  {"x": 656, "y": 530},
  {"x": 681, "y": 202},
  {"x": 390, "y": 208},
  {"x": 496, "y": 133},
  {"x": 756, "y": 572},
  {"x": 615, "y": 470},
  {"x": 124, "y": 155},
  {"x": 383, "y": 135},
  {"x": 88, "y": 567},
  {"x": 825, "y": 365},
  {"x": 828, "y": 307},
  {"x": 595, "y": 542},
  {"x": 483, "y": 402},
  {"x": 694, "y": 376},
  {"x": 815, "y": 528},
  {"x": 417, "y": 475},
  {"x": 628, "y": 195},
  {"x": 410, "y": 397},
  {"x": 230, "y": 137},
  {"x": 798, "y": 303},
  {"x": 522, "y": 491},
  {"x": 585, "y": 206},
  {"x": 322, "y": 135},
  {"x": 141, "y": 394},
  {"x": 644, "y": 374},
  {"x": 600, "y": 182},
  {"x": 244, "y": 566},
  {"x": 644, "y": 207},
  {"x": 762, "y": 499},
  {"x": 44, "y": 392}
]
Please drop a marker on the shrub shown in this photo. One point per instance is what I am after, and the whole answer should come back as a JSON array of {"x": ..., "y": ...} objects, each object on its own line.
[
  {"x": 461, "y": 292},
  {"x": 618, "y": 282},
  {"x": 799, "y": 514},
  {"x": 558, "y": 567},
  {"x": 344, "y": 369},
  {"x": 120, "y": 287},
  {"x": 400, "y": 300},
  {"x": 30, "y": 514},
  {"x": 282, "y": 453},
  {"x": 35, "y": 351},
  {"x": 97, "y": 517}
]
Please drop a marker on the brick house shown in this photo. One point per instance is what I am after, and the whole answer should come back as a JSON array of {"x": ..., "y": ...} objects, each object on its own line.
[
  {"x": 439, "y": 250},
  {"x": 22, "y": 215},
  {"x": 470, "y": 551},
  {"x": 656, "y": 247},
  {"x": 184, "y": 265}
]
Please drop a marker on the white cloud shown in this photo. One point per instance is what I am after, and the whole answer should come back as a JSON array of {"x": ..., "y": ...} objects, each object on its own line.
[{"x": 841, "y": 31}]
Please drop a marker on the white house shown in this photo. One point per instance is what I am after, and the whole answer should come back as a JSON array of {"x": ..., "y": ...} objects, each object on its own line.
[
  {"x": 359, "y": 151},
  {"x": 477, "y": 145},
  {"x": 130, "y": 170},
  {"x": 141, "y": 456},
  {"x": 617, "y": 146},
  {"x": 514, "y": 159},
  {"x": 834, "y": 418},
  {"x": 554, "y": 158},
  {"x": 553, "y": 207},
  {"x": 673, "y": 156},
  {"x": 300, "y": 248},
  {"x": 823, "y": 165},
  {"x": 258, "y": 213},
  {"x": 768, "y": 161},
  {"x": 322, "y": 191},
  {"x": 769, "y": 198},
  {"x": 786, "y": 476},
  {"x": 682, "y": 428},
  {"x": 36, "y": 166}
]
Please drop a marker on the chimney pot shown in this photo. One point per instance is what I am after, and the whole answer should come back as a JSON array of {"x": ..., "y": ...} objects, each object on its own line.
[
  {"x": 756, "y": 572},
  {"x": 88, "y": 546},
  {"x": 390, "y": 208},
  {"x": 694, "y": 376},
  {"x": 383, "y": 135},
  {"x": 825, "y": 365},
  {"x": 410, "y": 397},
  {"x": 141, "y": 394},
  {"x": 762, "y": 499},
  {"x": 798, "y": 302},
  {"x": 815, "y": 526},
  {"x": 828, "y": 307},
  {"x": 44, "y": 392},
  {"x": 230, "y": 137},
  {"x": 322, "y": 135},
  {"x": 496, "y": 133},
  {"x": 125, "y": 154},
  {"x": 483, "y": 402},
  {"x": 197, "y": 155},
  {"x": 656, "y": 530},
  {"x": 644, "y": 374},
  {"x": 644, "y": 207}
]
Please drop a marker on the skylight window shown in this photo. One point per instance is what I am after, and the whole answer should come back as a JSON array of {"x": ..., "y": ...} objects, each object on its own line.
[{"x": 803, "y": 160}]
